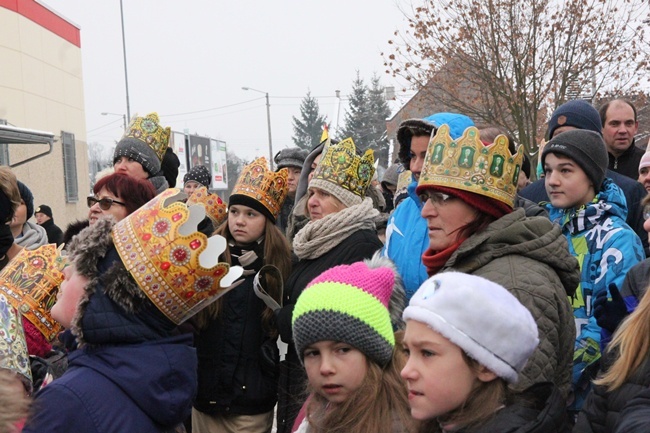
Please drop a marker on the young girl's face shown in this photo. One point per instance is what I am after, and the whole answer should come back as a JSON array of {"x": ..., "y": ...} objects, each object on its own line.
[
  {"x": 70, "y": 292},
  {"x": 567, "y": 185},
  {"x": 246, "y": 225},
  {"x": 335, "y": 370},
  {"x": 438, "y": 378}
]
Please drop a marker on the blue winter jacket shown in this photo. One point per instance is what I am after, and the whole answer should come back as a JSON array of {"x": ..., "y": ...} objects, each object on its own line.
[
  {"x": 407, "y": 238},
  {"x": 606, "y": 248}
]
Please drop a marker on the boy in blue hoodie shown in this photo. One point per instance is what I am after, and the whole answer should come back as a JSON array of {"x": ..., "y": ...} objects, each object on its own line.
[{"x": 591, "y": 211}]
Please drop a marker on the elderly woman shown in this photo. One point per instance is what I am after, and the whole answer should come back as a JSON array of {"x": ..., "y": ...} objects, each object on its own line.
[
  {"x": 468, "y": 190},
  {"x": 117, "y": 195},
  {"x": 340, "y": 231}
]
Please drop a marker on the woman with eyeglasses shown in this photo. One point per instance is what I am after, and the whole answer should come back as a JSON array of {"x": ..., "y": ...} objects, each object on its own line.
[
  {"x": 469, "y": 195},
  {"x": 117, "y": 195}
]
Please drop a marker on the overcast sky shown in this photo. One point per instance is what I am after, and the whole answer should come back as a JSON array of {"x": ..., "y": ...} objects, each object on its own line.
[{"x": 194, "y": 56}]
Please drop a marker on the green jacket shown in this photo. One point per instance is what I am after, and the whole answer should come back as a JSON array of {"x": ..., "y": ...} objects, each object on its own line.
[{"x": 530, "y": 257}]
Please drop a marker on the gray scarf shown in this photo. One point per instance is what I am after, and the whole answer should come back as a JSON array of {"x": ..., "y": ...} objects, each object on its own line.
[{"x": 320, "y": 236}]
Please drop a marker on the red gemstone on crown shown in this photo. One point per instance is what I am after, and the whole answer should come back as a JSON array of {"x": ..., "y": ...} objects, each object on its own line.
[{"x": 195, "y": 244}]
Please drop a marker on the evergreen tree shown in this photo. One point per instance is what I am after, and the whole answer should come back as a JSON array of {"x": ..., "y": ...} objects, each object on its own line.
[
  {"x": 357, "y": 116},
  {"x": 379, "y": 111},
  {"x": 307, "y": 130}
]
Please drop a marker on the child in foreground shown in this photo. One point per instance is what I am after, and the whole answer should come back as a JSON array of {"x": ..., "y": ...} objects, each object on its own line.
[
  {"x": 466, "y": 340},
  {"x": 344, "y": 337}
]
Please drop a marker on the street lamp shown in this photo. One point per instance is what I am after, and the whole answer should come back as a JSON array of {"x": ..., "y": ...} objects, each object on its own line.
[
  {"x": 116, "y": 114},
  {"x": 126, "y": 76},
  {"x": 268, "y": 121}
]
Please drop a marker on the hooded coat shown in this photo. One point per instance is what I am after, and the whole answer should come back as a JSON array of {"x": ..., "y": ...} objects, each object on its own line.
[
  {"x": 129, "y": 374},
  {"x": 529, "y": 257},
  {"x": 606, "y": 248}
]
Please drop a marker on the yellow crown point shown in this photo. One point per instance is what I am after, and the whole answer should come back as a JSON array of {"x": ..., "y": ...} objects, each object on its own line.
[
  {"x": 215, "y": 208},
  {"x": 148, "y": 130},
  {"x": 340, "y": 164},
  {"x": 31, "y": 282},
  {"x": 469, "y": 165},
  {"x": 258, "y": 182},
  {"x": 175, "y": 265}
]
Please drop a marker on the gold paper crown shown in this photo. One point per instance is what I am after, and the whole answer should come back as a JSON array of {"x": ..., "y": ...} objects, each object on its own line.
[
  {"x": 215, "y": 208},
  {"x": 467, "y": 164},
  {"x": 13, "y": 347},
  {"x": 148, "y": 130},
  {"x": 175, "y": 266},
  {"x": 340, "y": 164},
  {"x": 258, "y": 182},
  {"x": 31, "y": 282}
]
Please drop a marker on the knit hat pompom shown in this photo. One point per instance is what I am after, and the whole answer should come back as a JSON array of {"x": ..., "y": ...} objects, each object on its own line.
[
  {"x": 350, "y": 304},
  {"x": 577, "y": 113},
  {"x": 481, "y": 317},
  {"x": 584, "y": 147},
  {"x": 198, "y": 173}
]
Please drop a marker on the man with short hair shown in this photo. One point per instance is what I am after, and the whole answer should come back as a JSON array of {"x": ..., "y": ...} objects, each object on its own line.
[
  {"x": 293, "y": 160},
  {"x": 620, "y": 125},
  {"x": 43, "y": 215}
]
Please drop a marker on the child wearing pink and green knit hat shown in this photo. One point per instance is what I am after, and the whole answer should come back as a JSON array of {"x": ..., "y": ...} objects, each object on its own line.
[{"x": 351, "y": 304}]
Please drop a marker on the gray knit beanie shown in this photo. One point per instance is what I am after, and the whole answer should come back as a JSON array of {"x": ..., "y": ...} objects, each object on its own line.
[{"x": 586, "y": 148}]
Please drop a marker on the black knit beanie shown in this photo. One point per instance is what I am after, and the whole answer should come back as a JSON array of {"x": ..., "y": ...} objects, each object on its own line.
[
  {"x": 26, "y": 196},
  {"x": 577, "y": 113},
  {"x": 586, "y": 148},
  {"x": 198, "y": 173}
]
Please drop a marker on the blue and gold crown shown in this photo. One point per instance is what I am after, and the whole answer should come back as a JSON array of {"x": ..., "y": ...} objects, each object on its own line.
[
  {"x": 267, "y": 187},
  {"x": 176, "y": 266},
  {"x": 30, "y": 283},
  {"x": 469, "y": 165},
  {"x": 340, "y": 165},
  {"x": 215, "y": 208}
]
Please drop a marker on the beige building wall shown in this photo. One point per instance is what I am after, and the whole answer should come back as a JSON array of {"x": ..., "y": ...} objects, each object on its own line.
[{"x": 41, "y": 88}]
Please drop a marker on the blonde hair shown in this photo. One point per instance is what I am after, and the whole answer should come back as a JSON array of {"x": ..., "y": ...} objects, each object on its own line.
[
  {"x": 632, "y": 341},
  {"x": 277, "y": 252},
  {"x": 337, "y": 203},
  {"x": 14, "y": 403},
  {"x": 378, "y": 406},
  {"x": 481, "y": 404}
]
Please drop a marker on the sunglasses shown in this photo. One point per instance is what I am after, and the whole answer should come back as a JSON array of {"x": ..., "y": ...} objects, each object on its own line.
[{"x": 104, "y": 203}]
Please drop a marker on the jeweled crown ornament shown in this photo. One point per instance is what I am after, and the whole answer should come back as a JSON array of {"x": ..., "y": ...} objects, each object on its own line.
[
  {"x": 340, "y": 164},
  {"x": 31, "y": 282},
  {"x": 469, "y": 165},
  {"x": 13, "y": 347},
  {"x": 148, "y": 130},
  {"x": 176, "y": 266},
  {"x": 215, "y": 208},
  {"x": 268, "y": 187}
]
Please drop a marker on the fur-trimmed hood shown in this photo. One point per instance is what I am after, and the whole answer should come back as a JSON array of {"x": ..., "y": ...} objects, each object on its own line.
[{"x": 113, "y": 309}]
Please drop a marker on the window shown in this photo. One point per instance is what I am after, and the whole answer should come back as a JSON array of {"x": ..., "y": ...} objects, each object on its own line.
[{"x": 70, "y": 167}]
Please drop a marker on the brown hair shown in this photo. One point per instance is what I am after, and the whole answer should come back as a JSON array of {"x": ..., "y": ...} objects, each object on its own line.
[
  {"x": 14, "y": 403},
  {"x": 481, "y": 404},
  {"x": 632, "y": 341},
  {"x": 602, "y": 111},
  {"x": 9, "y": 187},
  {"x": 376, "y": 407},
  {"x": 277, "y": 252}
]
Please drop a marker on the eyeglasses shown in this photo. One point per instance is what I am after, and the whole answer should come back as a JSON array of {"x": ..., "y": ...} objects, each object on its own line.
[
  {"x": 104, "y": 203},
  {"x": 436, "y": 198}
]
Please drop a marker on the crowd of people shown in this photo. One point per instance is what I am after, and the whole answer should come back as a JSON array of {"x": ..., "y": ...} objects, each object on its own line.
[{"x": 451, "y": 294}]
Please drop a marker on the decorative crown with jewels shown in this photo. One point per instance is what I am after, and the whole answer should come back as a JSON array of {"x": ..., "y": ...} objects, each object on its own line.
[
  {"x": 148, "y": 130},
  {"x": 215, "y": 208},
  {"x": 340, "y": 164},
  {"x": 176, "y": 266},
  {"x": 30, "y": 283},
  {"x": 469, "y": 165},
  {"x": 258, "y": 182}
]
